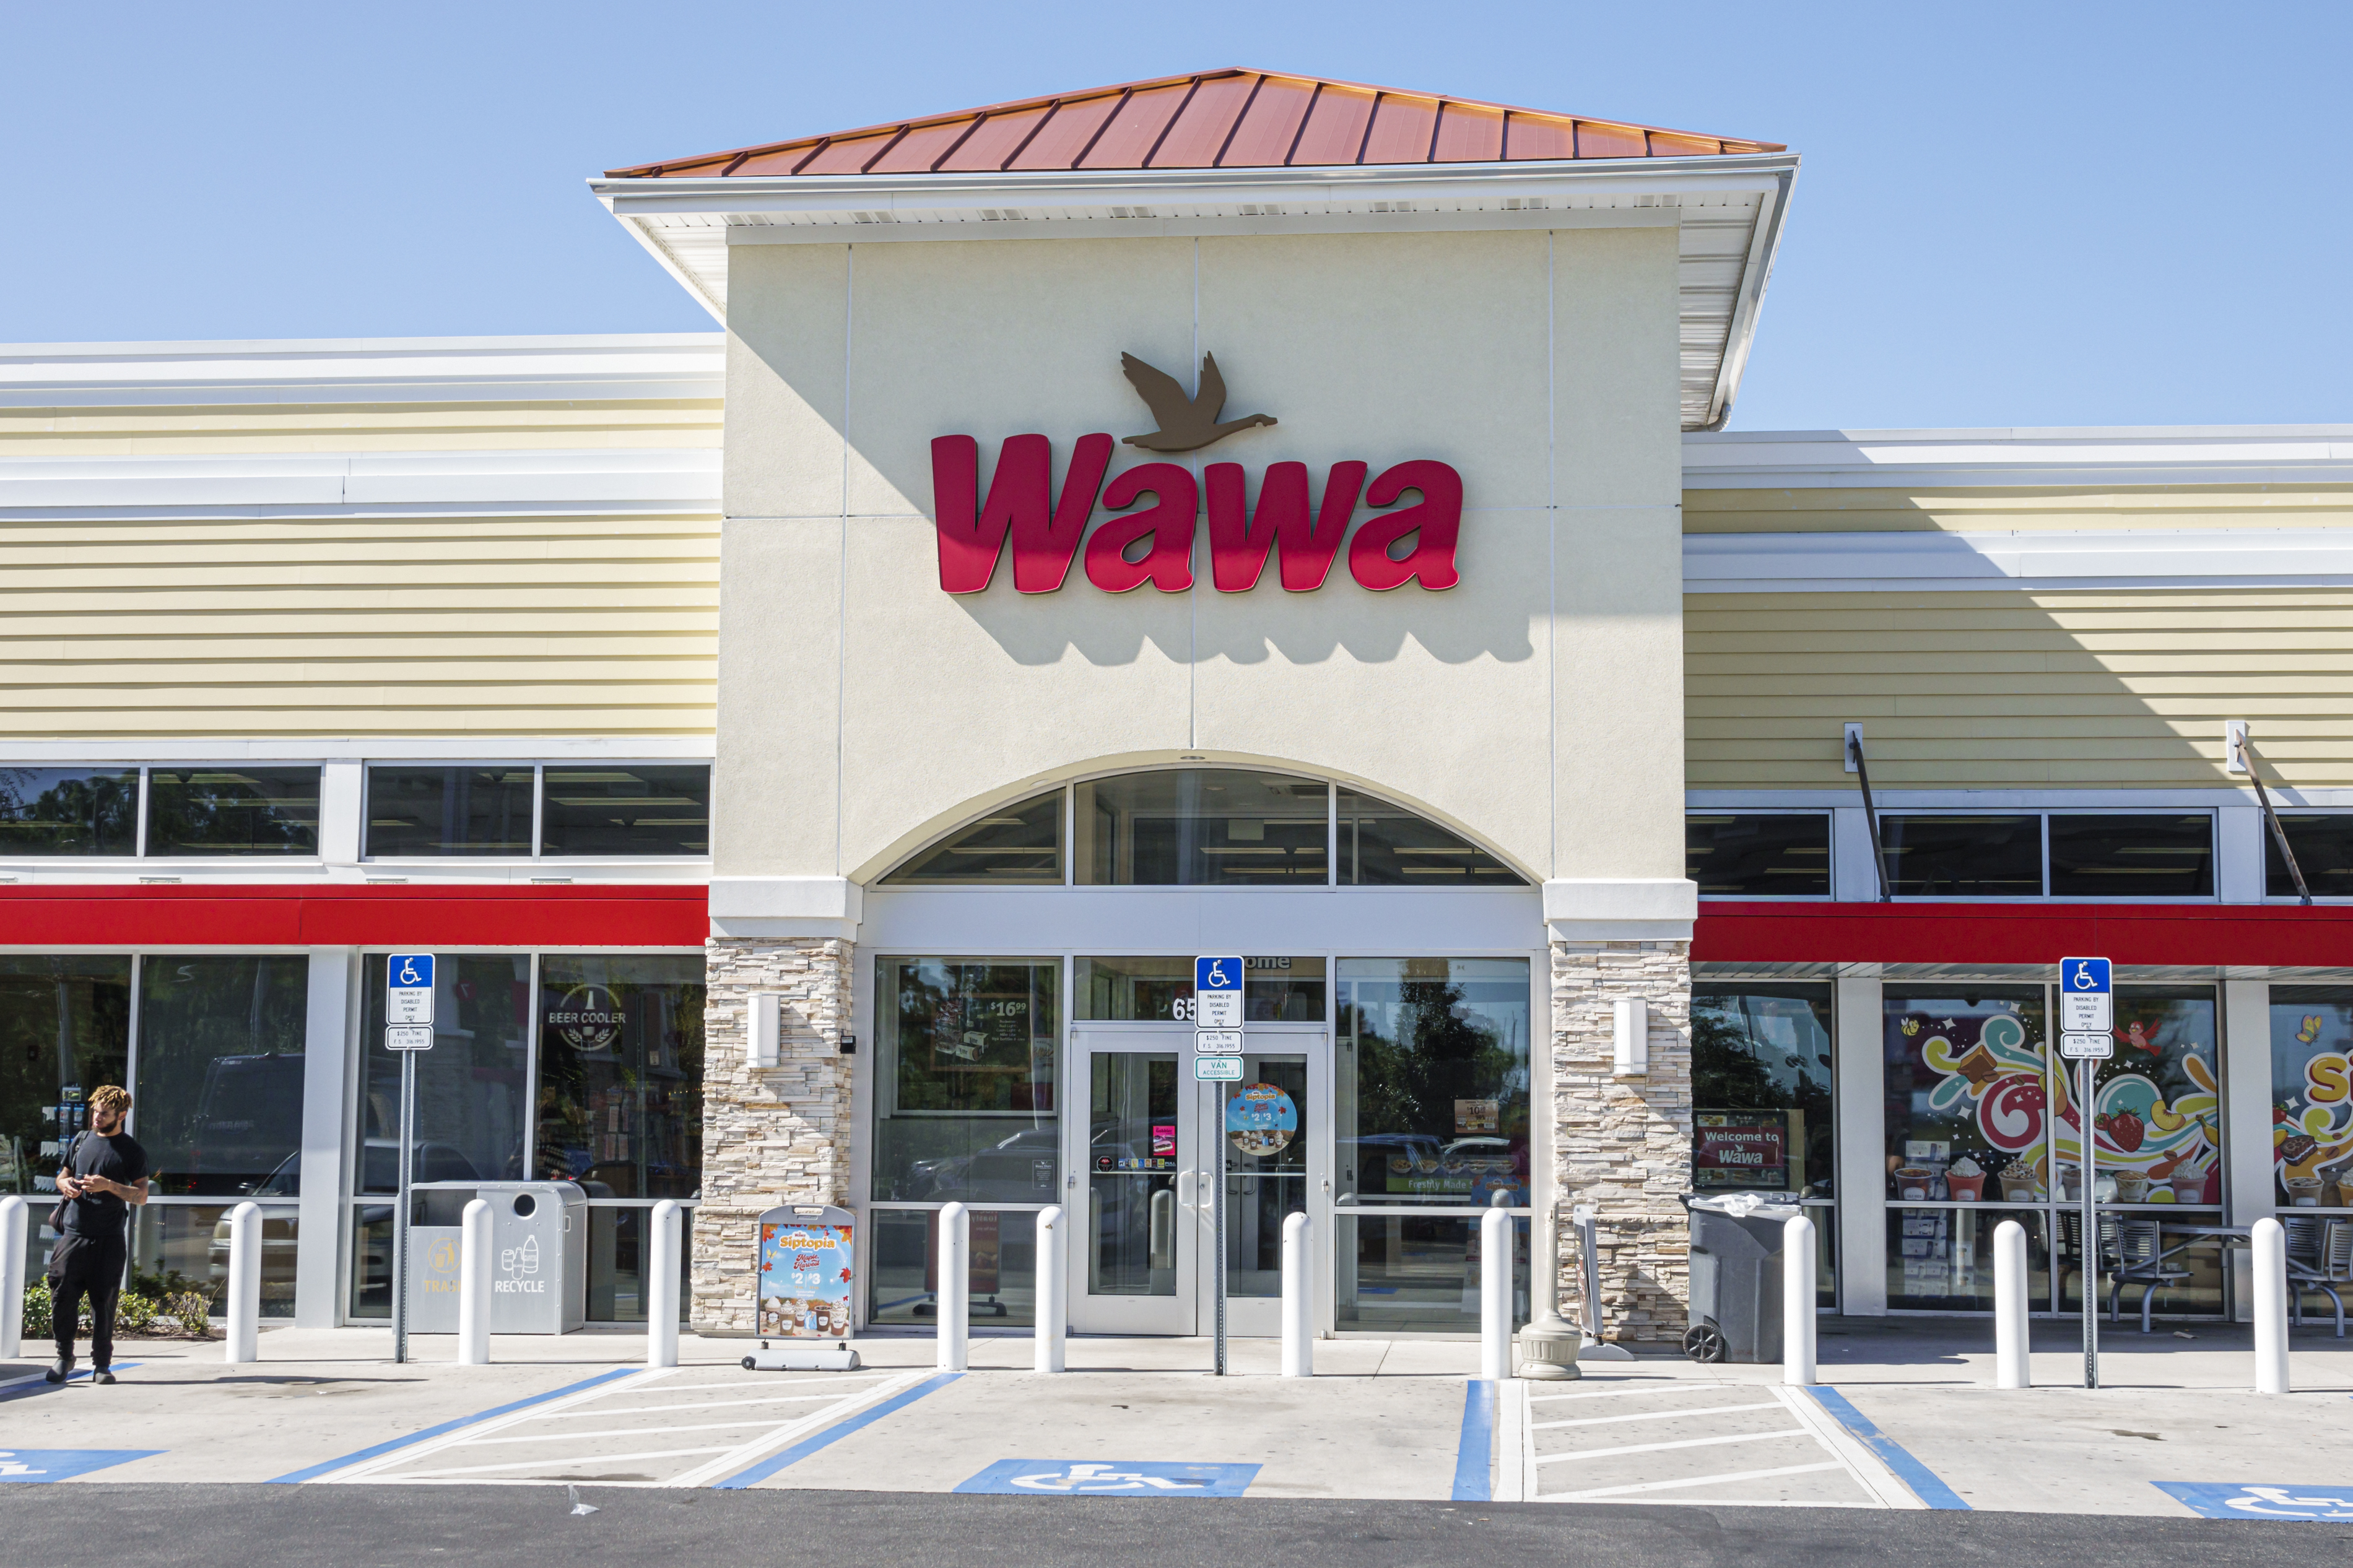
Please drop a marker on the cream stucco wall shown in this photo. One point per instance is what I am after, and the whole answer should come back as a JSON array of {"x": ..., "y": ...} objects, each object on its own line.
[{"x": 1536, "y": 706}]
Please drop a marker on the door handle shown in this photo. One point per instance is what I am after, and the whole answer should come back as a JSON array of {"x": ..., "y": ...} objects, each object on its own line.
[{"x": 1184, "y": 1194}]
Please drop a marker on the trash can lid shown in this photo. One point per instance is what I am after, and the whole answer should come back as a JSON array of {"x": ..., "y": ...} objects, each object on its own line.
[{"x": 1740, "y": 1206}]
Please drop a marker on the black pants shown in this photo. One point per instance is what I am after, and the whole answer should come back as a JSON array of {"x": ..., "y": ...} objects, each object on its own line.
[{"x": 85, "y": 1266}]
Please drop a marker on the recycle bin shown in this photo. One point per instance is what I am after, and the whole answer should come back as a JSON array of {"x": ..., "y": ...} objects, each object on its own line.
[
  {"x": 1736, "y": 1274},
  {"x": 538, "y": 1254}
]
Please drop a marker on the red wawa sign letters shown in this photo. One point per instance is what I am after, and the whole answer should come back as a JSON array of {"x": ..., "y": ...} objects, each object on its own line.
[{"x": 1304, "y": 539}]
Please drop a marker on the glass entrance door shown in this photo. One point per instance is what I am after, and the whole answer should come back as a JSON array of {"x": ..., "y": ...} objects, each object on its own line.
[
  {"x": 1143, "y": 1247},
  {"x": 1275, "y": 1124},
  {"x": 1133, "y": 1176}
]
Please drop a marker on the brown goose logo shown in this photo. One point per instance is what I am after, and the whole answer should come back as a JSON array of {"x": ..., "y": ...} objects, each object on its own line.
[{"x": 1186, "y": 423}]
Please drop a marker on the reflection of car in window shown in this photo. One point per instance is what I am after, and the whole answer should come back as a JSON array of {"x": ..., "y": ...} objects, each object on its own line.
[
  {"x": 1017, "y": 1169},
  {"x": 248, "y": 1118}
]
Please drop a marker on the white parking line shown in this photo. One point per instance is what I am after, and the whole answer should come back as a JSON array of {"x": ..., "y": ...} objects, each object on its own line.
[
  {"x": 1662, "y": 1387},
  {"x": 777, "y": 1420},
  {"x": 1663, "y": 1448},
  {"x": 1708, "y": 1482},
  {"x": 1655, "y": 1416}
]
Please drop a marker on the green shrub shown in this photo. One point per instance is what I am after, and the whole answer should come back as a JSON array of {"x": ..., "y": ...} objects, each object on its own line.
[{"x": 138, "y": 1314}]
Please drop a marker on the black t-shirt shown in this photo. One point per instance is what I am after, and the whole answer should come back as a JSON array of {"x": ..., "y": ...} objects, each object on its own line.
[{"x": 119, "y": 1159}]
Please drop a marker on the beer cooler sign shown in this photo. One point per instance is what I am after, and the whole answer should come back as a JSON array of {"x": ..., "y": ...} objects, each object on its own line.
[{"x": 808, "y": 1265}]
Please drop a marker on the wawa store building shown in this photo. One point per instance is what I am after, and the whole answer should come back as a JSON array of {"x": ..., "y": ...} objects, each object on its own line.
[{"x": 1237, "y": 513}]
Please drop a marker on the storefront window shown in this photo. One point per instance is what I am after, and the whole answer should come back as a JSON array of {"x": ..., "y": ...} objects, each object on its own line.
[
  {"x": 1014, "y": 846},
  {"x": 1980, "y": 1112},
  {"x": 633, "y": 809},
  {"x": 1386, "y": 845},
  {"x": 1202, "y": 827},
  {"x": 964, "y": 1068},
  {"x": 232, "y": 811},
  {"x": 2312, "y": 1096},
  {"x": 2324, "y": 853},
  {"x": 471, "y": 1086},
  {"x": 620, "y": 1074},
  {"x": 1431, "y": 1100},
  {"x": 1963, "y": 857},
  {"x": 184, "y": 1247},
  {"x": 64, "y": 1029},
  {"x": 1753, "y": 855},
  {"x": 2138, "y": 855},
  {"x": 1967, "y": 1095},
  {"x": 449, "y": 811},
  {"x": 1000, "y": 1276},
  {"x": 69, "y": 811},
  {"x": 1761, "y": 1089},
  {"x": 218, "y": 1104}
]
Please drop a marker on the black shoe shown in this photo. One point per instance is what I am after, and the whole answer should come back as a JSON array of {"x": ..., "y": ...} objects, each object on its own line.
[
  {"x": 61, "y": 1371},
  {"x": 103, "y": 1376}
]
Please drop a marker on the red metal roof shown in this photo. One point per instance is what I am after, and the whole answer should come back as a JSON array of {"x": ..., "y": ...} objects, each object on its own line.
[{"x": 1214, "y": 120}]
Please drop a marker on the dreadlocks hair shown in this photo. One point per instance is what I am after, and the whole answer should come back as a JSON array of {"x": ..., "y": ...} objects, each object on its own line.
[{"x": 109, "y": 1097}]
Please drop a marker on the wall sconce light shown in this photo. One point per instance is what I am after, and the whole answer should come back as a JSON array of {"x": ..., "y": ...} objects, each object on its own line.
[
  {"x": 1630, "y": 1028},
  {"x": 767, "y": 1030}
]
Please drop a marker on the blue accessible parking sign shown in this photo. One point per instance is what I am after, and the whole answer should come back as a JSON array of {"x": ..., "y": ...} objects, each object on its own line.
[
  {"x": 2209, "y": 1500},
  {"x": 1112, "y": 1478}
]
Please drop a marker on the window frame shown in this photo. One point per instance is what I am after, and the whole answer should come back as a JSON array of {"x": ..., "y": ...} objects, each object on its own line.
[{"x": 538, "y": 767}]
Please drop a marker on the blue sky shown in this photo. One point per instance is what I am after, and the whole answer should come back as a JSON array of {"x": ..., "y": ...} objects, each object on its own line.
[{"x": 2010, "y": 214}]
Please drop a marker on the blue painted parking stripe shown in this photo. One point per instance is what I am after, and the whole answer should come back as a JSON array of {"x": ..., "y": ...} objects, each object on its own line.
[
  {"x": 315, "y": 1471},
  {"x": 1475, "y": 1454},
  {"x": 38, "y": 1382},
  {"x": 1923, "y": 1481},
  {"x": 833, "y": 1434}
]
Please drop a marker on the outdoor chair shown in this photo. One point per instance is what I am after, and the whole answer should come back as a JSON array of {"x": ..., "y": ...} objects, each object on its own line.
[
  {"x": 2135, "y": 1255},
  {"x": 2317, "y": 1259}
]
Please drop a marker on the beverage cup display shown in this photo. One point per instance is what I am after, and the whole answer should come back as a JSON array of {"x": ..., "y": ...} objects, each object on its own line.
[
  {"x": 1912, "y": 1181},
  {"x": 1966, "y": 1189},
  {"x": 2132, "y": 1187},
  {"x": 2189, "y": 1186},
  {"x": 2302, "y": 1192}
]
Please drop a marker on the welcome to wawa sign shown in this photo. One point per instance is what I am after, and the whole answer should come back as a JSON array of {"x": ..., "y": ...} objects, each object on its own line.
[{"x": 1303, "y": 539}]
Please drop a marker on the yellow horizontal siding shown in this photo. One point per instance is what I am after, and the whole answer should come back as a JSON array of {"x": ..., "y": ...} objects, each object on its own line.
[
  {"x": 1990, "y": 511},
  {"x": 2127, "y": 688},
  {"x": 224, "y": 429},
  {"x": 604, "y": 627}
]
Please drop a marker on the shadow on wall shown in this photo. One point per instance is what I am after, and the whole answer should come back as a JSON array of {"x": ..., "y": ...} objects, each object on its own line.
[
  {"x": 1339, "y": 620},
  {"x": 2103, "y": 688}
]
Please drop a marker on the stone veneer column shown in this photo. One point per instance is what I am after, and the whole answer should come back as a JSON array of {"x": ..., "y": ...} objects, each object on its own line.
[
  {"x": 770, "y": 1135},
  {"x": 1624, "y": 1144}
]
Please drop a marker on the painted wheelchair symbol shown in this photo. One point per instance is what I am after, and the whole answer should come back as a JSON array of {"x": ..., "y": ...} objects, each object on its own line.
[{"x": 1095, "y": 1477}]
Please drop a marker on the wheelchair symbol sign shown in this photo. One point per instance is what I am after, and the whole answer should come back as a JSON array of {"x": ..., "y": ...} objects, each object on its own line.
[{"x": 2212, "y": 1501}]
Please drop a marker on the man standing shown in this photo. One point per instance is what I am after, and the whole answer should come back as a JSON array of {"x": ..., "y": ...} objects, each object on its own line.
[{"x": 105, "y": 1173}]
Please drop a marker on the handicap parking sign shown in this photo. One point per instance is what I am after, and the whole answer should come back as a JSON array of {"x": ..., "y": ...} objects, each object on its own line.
[
  {"x": 63, "y": 1464},
  {"x": 1112, "y": 1478},
  {"x": 2209, "y": 1500}
]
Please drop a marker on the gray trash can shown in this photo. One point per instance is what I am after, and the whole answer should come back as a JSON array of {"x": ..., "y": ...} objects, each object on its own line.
[
  {"x": 538, "y": 1254},
  {"x": 1736, "y": 1274}
]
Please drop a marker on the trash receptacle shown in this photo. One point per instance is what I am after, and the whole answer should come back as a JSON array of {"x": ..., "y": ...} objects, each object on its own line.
[
  {"x": 1736, "y": 1274},
  {"x": 538, "y": 1254}
]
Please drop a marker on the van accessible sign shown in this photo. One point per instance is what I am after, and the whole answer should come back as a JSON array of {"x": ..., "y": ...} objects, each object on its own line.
[{"x": 1290, "y": 524}]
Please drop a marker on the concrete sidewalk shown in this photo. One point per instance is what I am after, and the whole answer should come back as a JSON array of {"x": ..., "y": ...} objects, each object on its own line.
[{"x": 1906, "y": 1417}]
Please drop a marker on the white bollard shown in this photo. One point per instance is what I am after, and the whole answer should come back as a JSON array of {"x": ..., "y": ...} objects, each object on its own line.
[
  {"x": 1496, "y": 1295},
  {"x": 474, "y": 1254},
  {"x": 2013, "y": 1365},
  {"x": 245, "y": 1283},
  {"x": 1798, "y": 1301},
  {"x": 954, "y": 1300},
  {"x": 1298, "y": 1298},
  {"x": 12, "y": 1277},
  {"x": 662, "y": 1284},
  {"x": 1053, "y": 1286},
  {"x": 2271, "y": 1307}
]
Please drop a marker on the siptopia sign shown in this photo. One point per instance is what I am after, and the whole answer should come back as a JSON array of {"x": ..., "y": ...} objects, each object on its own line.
[{"x": 1301, "y": 535}]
